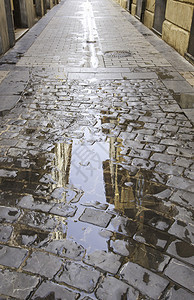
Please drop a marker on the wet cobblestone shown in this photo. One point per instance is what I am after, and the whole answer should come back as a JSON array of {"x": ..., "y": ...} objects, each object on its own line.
[
  {"x": 43, "y": 264},
  {"x": 18, "y": 285},
  {"x": 142, "y": 279},
  {"x": 50, "y": 289},
  {"x": 42, "y": 212},
  {"x": 78, "y": 276},
  {"x": 96, "y": 166}
]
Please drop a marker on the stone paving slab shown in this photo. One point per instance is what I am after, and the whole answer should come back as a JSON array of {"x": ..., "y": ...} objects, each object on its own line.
[
  {"x": 43, "y": 264},
  {"x": 3, "y": 74},
  {"x": 5, "y": 232},
  {"x": 111, "y": 288},
  {"x": 65, "y": 248},
  {"x": 181, "y": 250},
  {"x": 142, "y": 279},
  {"x": 8, "y": 102},
  {"x": 17, "y": 285},
  {"x": 12, "y": 257},
  {"x": 179, "y": 294},
  {"x": 108, "y": 262},
  {"x": 180, "y": 273},
  {"x": 54, "y": 291},
  {"x": 9, "y": 214},
  {"x": 11, "y": 88},
  {"x": 78, "y": 276}
]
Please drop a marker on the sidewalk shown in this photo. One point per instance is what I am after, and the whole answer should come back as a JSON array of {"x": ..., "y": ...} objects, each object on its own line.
[
  {"x": 94, "y": 40},
  {"x": 96, "y": 161}
]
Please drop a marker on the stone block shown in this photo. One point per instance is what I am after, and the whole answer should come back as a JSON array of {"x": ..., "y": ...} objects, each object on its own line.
[
  {"x": 111, "y": 289},
  {"x": 175, "y": 36},
  {"x": 154, "y": 219},
  {"x": 5, "y": 232},
  {"x": 183, "y": 230},
  {"x": 11, "y": 256},
  {"x": 164, "y": 158},
  {"x": 179, "y": 87},
  {"x": 50, "y": 290},
  {"x": 179, "y": 13},
  {"x": 124, "y": 4},
  {"x": 183, "y": 198},
  {"x": 43, "y": 263},
  {"x": 78, "y": 276},
  {"x": 176, "y": 293},
  {"x": 150, "y": 5},
  {"x": 133, "y": 9},
  {"x": 7, "y": 102},
  {"x": 65, "y": 248},
  {"x": 10, "y": 214},
  {"x": 17, "y": 285},
  {"x": 182, "y": 251},
  {"x": 180, "y": 273},
  {"x": 108, "y": 262},
  {"x": 14, "y": 83},
  {"x": 180, "y": 183},
  {"x": 148, "y": 19},
  {"x": 147, "y": 282}
]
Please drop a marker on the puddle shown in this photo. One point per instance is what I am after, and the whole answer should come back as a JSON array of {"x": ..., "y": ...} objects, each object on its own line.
[
  {"x": 86, "y": 170},
  {"x": 163, "y": 75},
  {"x": 117, "y": 54},
  {"x": 87, "y": 235},
  {"x": 85, "y": 179}
]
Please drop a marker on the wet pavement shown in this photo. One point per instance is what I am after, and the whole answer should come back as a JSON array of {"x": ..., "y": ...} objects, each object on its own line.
[{"x": 96, "y": 162}]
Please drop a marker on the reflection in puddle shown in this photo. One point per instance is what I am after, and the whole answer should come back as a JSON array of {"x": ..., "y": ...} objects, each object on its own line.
[
  {"x": 96, "y": 172},
  {"x": 79, "y": 165},
  {"x": 89, "y": 236},
  {"x": 86, "y": 169}
]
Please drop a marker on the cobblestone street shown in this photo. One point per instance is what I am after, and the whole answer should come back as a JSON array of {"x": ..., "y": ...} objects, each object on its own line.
[{"x": 96, "y": 165}]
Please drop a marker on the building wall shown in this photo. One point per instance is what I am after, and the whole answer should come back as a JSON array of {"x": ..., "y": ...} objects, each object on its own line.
[
  {"x": 177, "y": 24},
  {"x": 41, "y": 7},
  {"x": 149, "y": 13},
  {"x": 176, "y": 28},
  {"x": 4, "y": 37},
  {"x": 28, "y": 13}
]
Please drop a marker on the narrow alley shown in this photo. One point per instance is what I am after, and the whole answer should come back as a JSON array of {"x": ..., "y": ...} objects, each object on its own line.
[{"x": 96, "y": 165}]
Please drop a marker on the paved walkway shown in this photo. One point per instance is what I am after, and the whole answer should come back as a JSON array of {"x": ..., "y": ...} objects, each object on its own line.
[{"x": 96, "y": 161}]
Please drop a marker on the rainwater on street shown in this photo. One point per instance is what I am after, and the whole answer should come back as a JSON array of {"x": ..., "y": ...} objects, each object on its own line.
[{"x": 96, "y": 165}]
